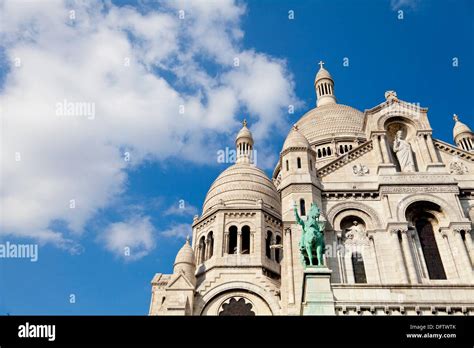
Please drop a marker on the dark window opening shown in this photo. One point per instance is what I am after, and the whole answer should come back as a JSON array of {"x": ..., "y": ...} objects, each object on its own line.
[
  {"x": 210, "y": 241},
  {"x": 232, "y": 240},
  {"x": 245, "y": 240},
  {"x": 302, "y": 207},
  {"x": 430, "y": 249},
  {"x": 298, "y": 162},
  {"x": 358, "y": 267},
  {"x": 278, "y": 250},
  {"x": 268, "y": 242}
]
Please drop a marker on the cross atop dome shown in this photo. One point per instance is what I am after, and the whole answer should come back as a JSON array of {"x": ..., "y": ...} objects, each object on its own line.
[
  {"x": 321, "y": 63},
  {"x": 244, "y": 123},
  {"x": 455, "y": 117}
]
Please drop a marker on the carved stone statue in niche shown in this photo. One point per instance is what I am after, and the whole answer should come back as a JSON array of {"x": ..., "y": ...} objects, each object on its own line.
[
  {"x": 356, "y": 231},
  {"x": 404, "y": 154}
]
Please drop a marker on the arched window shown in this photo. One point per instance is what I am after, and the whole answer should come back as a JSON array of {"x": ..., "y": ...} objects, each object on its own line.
[
  {"x": 341, "y": 149},
  {"x": 298, "y": 162},
  {"x": 202, "y": 250},
  {"x": 346, "y": 148},
  {"x": 358, "y": 267},
  {"x": 324, "y": 152},
  {"x": 319, "y": 153},
  {"x": 210, "y": 245},
  {"x": 232, "y": 240},
  {"x": 268, "y": 242},
  {"x": 350, "y": 147},
  {"x": 245, "y": 240},
  {"x": 302, "y": 207},
  {"x": 430, "y": 249},
  {"x": 329, "y": 151},
  {"x": 287, "y": 166},
  {"x": 278, "y": 250}
]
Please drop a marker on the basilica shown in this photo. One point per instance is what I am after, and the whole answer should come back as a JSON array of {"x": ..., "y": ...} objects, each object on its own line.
[{"x": 397, "y": 206}]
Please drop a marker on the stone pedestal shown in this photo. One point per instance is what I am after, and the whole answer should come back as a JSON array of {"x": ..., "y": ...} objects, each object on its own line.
[{"x": 318, "y": 298}]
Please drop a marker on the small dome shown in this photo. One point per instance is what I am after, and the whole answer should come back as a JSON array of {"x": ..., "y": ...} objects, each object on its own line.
[
  {"x": 459, "y": 127},
  {"x": 244, "y": 133},
  {"x": 242, "y": 185},
  {"x": 295, "y": 139},
  {"x": 322, "y": 74},
  {"x": 185, "y": 254},
  {"x": 327, "y": 121}
]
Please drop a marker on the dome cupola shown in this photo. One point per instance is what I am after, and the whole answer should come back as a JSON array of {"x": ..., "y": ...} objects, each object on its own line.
[
  {"x": 244, "y": 144},
  {"x": 463, "y": 136},
  {"x": 185, "y": 261},
  {"x": 324, "y": 86}
]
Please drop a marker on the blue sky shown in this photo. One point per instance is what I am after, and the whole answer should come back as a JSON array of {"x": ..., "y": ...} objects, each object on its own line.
[{"x": 136, "y": 203}]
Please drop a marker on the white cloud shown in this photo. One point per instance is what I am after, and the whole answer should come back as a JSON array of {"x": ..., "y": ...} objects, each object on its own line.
[
  {"x": 178, "y": 230},
  {"x": 399, "y": 4},
  {"x": 129, "y": 240},
  {"x": 81, "y": 158},
  {"x": 181, "y": 209}
]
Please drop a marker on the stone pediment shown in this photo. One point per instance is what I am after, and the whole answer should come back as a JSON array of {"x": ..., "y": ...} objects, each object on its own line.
[
  {"x": 180, "y": 282},
  {"x": 346, "y": 159}
]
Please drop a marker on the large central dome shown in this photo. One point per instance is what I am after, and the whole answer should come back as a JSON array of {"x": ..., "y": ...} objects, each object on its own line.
[{"x": 331, "y": 120}]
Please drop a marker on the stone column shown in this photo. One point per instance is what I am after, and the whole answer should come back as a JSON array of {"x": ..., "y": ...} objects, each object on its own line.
[
  {"x": 409, "y": 258},
  {"x": 226, "y": 242},
  {"x": 378, "y": 150},
  {"x": 431, "y": 148},
  {"x": 384, "y": 145},
  {"x": 387, "y": 205},
  {"x": 272, "y": 250},
  {"x": 252, "y": 242},
  {"x": 206, "y": 249},
  {"x": 399, "y": 256},
  {"x": 239, "y": 242},
  {"x": 289, "y": 262},
  {"x": 464, "y": 259},
  {"x": 340, "y": 257},
  {"x": 470, "y": 247},
  {"x": 424, "y": 149},
  {"x": 374, "y": 253},
  {"x": 452, "y": 268}
]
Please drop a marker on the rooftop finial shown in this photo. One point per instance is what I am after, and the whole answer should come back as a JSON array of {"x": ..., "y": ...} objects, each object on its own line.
[
  {"x": 321, "y": 63},
  {"x": 455, "y": 117},
  {"x": 187, "y": 239},
  {"x": 244, "y": 122}
]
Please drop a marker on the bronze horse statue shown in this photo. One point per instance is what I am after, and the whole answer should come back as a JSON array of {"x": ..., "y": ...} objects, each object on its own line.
[{"x": 312, "y": 239}]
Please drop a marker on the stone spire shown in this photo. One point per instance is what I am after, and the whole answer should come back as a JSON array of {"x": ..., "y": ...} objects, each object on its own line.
[
  {"x": 244, "y": 144},
  {"x": 324, "y": 87},
  {"x": 463, "y": 136}
]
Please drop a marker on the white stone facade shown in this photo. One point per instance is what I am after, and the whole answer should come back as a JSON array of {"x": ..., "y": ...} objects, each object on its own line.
[{"x": 410, "y": 252}]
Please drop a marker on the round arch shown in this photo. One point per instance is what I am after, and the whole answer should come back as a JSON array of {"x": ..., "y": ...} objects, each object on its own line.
[
  {"x": 270, "y": 301},
  {"x": 394, "y": 116},
  {"x": 450, "y": 213},
  {"x": 335, "y": 211}
]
